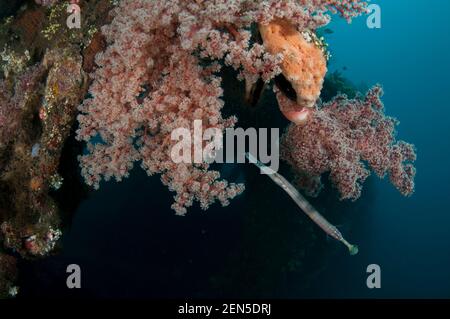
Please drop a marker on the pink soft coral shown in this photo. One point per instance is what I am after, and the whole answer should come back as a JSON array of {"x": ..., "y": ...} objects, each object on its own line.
[
  {"x": 152, "y": 79},
  {"x": 340, "y": 137}
]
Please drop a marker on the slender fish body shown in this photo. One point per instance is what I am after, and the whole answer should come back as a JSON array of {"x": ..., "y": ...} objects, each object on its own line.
[{"x": 301, "y": 201}]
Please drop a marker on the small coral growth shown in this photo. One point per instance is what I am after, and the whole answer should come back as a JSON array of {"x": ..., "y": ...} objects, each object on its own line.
[{"x": 8, "y": 274}]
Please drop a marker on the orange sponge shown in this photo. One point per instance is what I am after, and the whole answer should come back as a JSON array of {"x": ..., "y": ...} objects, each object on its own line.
[{"x": 304, "y": 64}]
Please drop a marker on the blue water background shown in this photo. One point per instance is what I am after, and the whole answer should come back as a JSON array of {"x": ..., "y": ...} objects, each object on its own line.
[{"x": 408, "y": 237}]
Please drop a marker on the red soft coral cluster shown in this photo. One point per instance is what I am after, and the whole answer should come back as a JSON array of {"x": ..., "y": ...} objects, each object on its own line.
[
  {"x": 340, "y": 137},
  {"x": 152, "y": 78}
]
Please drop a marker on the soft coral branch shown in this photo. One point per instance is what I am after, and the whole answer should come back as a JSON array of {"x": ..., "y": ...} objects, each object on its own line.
[{"x": 344, "y": 134}]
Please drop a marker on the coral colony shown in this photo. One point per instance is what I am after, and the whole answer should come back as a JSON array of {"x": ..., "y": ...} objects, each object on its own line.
[{"x": 137, "y": 70}]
